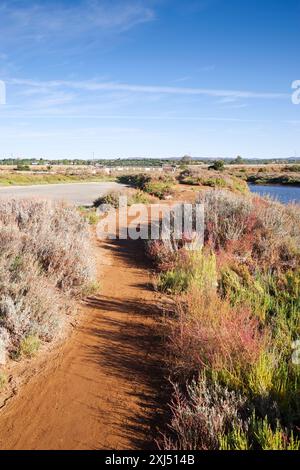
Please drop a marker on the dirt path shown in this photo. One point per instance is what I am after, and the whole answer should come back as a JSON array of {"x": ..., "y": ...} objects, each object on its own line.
[{"x": 102, "y": 389}]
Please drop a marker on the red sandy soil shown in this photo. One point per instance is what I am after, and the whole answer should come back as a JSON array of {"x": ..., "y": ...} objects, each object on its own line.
[{"x": 102, "y": 389}]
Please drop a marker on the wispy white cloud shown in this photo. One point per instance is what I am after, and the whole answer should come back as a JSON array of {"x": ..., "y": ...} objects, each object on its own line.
[
  {"x": 80, "y": 113},
  {"x": 38, "y": 21},
  {"x": 92, "y": 86}
]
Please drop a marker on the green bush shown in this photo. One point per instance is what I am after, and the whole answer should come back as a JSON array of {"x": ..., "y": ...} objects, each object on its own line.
[
  {"x": 218, "y": 165},
  {"x": 29, "y": 346},
  {"x": 260, "y": 436},
  {"x": 158, "y": 189},
  {"x": 89, "y": 214},
  {"x": 195, "y": 269},
  {"x": 138, "y": 197},
  {"x": 158, "y": 186},
  {"x": 110, "y": 199},
  {"x": 92, "y": 218}
]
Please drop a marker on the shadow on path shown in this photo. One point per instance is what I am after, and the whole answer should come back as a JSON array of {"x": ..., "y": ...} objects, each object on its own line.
[{"x": 130, "y": 347}]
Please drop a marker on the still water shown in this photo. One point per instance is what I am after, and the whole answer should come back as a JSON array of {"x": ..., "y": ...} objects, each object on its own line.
[{"x": 284, "y": 194}]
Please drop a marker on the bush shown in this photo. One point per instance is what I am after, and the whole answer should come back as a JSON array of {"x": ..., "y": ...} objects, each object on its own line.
[
  {"x": 45, "y": 262},
  {"x": 235, "y": 319},
  {"x": 163, "y": 258},
  {"x": 193, "y": 269},
  {"x": 30, "y": 303},
  {"x": 259, "y": 435},
  {"x": 253, "y": 229},
  {"x": 211, "y": 335},
  {"x": 218, "y": 165},
  {"x": 159, "y": 189},
  {"x": 111, "y": 199},
  {"x": 201, "y": 415},
  {"x": 139, "y": 197},
  {"x": 89, "y": 214},
  {"x": 92, "y": 218},
  {"x": 158, "y": 186},
  {"x": 29, "y": 346}
]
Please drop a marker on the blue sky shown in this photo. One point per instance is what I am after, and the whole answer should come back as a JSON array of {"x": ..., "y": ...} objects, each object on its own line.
[{"x": 155, "y": 78}]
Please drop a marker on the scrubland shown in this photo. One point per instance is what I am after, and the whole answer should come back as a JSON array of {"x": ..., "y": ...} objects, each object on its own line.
[
  {"x": 231, "y": 339},
  {"x": 171, "y": 184},
  {"x": 45, "y": 264},
  {"x": 287, "y": 175},
  {"x": 212, "y": 179}
]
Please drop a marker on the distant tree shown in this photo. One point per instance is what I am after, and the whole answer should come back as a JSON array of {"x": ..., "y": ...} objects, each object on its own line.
[
  {"x": 218, "y": 165},
  {"x": 186, "y": 160},
  {"x": 237, "y": 161}
]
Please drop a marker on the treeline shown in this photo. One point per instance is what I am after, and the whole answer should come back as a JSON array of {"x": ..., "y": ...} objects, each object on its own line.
[
  {"x": 144, "y": 162},
  {"x": 150, "y": 162}
]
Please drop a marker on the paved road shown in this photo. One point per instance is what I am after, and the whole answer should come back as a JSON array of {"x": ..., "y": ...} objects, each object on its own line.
[{"x": 81, "y": 194}]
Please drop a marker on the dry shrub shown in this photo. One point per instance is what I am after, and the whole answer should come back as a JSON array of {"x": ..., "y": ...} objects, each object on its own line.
[
  {"x": 30, "y": 303},
  {"x": 254, "y": 230},
  {"x": 45, "y": 261},
  {"x": 201, "y": 415},
  {"x": 55, "y": 234},
  {"x": 226, "y": 217},
  {"x": 160, "y": 254},
  {"x": 277, "y": 240}
]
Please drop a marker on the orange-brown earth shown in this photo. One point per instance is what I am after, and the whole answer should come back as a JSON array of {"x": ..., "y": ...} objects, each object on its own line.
[{"x": 103, "y": 388}]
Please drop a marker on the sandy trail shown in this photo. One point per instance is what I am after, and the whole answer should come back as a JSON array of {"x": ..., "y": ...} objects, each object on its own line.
[{"x": 102, "y": 389}]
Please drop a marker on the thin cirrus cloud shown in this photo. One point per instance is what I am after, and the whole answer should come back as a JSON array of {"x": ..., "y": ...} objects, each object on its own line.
[
  {"x": 93, "y": 86},
  {"x": 36, "y": 21}
]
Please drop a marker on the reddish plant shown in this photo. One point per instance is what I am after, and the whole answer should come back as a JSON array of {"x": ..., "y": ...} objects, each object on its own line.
[{"x": 209, "y": 334}]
